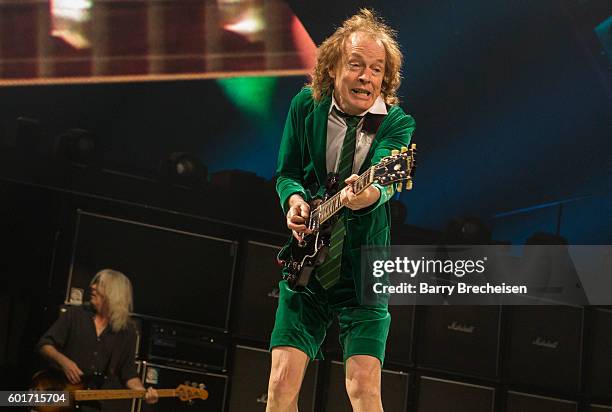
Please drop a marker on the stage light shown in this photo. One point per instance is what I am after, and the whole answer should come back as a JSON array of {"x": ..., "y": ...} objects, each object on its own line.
[
  {"x": 252, "y": 95},
  {"x": 468, "y": 231},
  {"x": 184, "y": 168},
  {"x": 71, "y": 21},
  {"x": 245, "y": 18},
  {"x": 76, "y": 145}
]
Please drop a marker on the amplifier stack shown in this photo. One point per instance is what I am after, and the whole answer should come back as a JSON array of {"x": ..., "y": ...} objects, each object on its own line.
[{"x": 206, "y": 319}]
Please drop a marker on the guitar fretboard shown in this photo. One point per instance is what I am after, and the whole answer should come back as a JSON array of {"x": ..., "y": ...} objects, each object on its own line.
[
  {"x": 332, "y": 205},
  {"x": 106, "y": 394}
]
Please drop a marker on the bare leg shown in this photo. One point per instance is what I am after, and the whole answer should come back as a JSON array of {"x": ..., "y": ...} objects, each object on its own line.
[
  {"x": 363, "y": 383},
  {"x": 288, "y": 367}
]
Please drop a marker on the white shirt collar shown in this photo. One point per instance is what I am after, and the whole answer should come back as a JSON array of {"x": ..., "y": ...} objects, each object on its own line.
[{"x": 379, "y": 106}]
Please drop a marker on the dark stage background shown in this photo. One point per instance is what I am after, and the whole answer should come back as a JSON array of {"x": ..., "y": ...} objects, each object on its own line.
[{"x": 513, "y": 104}]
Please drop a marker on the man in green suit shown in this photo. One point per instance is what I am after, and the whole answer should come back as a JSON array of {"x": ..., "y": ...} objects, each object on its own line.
[{"x": 346, "y": 120}]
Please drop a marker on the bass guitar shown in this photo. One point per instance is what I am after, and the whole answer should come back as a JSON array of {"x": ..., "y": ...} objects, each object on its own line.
[
  {"x": 299, "y": 258},
  {"x": 48, "y": 380}
]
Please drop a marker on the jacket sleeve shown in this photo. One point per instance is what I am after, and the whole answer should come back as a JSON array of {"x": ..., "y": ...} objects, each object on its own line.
[
  {"x": 396, "y": 135},
  {"x": 290, "y": 168}
]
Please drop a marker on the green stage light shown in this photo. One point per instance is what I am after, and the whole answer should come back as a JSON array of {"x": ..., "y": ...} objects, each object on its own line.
[{"x": 252, "y": 95}]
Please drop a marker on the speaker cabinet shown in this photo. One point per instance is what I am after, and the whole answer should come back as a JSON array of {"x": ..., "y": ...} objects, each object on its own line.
[
  {"x": 185, "y": 346},
  {"x": 258, "y": 293},
  {"x": 167, "y": 377},
  {"x": 176, "y": 275},
  {"x": 394, "y": 390},
  {"x": 249, "y": 390},
  {"x": 331, "y": 344},
  {"x": 544, "y": 347},
  {"x": 5, "y": 305},
  {"x": 598, "y": 355},
  {"x": 462, "y": 339},
  {"x": 435, "y": 395},
  {"x": 400, "y": 340},
  {"x": 523, "y": 402}
]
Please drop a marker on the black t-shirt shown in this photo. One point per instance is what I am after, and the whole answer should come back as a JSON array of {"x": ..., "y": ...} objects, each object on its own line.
[{"x": 111, "y": 354}]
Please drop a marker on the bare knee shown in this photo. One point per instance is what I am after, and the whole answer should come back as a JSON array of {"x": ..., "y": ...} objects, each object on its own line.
[
  {"x": 286, "y": 375},
  {"x": 363, "y": 378},
  {"x": 281, "y": 385},
  {"x": 363, "y": 385}
]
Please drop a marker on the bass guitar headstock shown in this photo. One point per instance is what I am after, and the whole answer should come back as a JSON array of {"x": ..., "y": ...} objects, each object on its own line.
[{"x": 188, "y": 393}]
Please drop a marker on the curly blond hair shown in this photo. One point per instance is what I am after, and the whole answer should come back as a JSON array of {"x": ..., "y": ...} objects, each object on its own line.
[{"x": 330, "y": 53}]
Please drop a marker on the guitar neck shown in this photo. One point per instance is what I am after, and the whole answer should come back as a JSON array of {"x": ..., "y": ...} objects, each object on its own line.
[
  {"x": 333, "y": 205},
  {"x": 106, "y": 394}
]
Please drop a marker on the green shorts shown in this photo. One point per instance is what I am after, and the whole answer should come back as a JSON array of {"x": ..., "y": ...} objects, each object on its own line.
[{"x": 303, "y": 316}]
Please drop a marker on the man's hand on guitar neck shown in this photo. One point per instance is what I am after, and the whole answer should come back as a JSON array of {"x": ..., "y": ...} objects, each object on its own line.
[
  {"x": 151, "y": 395},
  {"x": 364, "y": 199},
  {"x": 297, "y": 216}
]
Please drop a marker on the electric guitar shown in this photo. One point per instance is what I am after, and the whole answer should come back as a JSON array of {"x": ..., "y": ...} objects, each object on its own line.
[
  {"x": 299, "y": 258},
  {"x": 48, "y": 380}
]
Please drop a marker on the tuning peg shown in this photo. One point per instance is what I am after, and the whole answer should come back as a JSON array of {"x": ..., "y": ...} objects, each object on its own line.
[
  {"x": 394, "y": 152},
  {"x": 413, "y": 146},
  {"x": 399, "y": 187},
  {"x": 409, "y": 184},
  {"x": 404, "y": 149}
]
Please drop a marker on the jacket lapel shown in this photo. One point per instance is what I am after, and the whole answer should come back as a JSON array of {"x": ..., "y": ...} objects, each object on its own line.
[{"x": 316, "y": 137}]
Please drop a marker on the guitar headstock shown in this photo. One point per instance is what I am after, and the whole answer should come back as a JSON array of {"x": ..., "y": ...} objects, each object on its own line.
[
  {"x": 187, "y": 393},
  {"x": 397, "y": 168}
]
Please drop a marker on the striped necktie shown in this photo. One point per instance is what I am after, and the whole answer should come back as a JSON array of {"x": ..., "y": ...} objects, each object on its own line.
[{"x": 329, "y": 271}]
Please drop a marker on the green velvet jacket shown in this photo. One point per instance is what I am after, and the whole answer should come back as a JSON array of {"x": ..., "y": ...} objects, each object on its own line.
[{"x": 301, "y": 163}]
